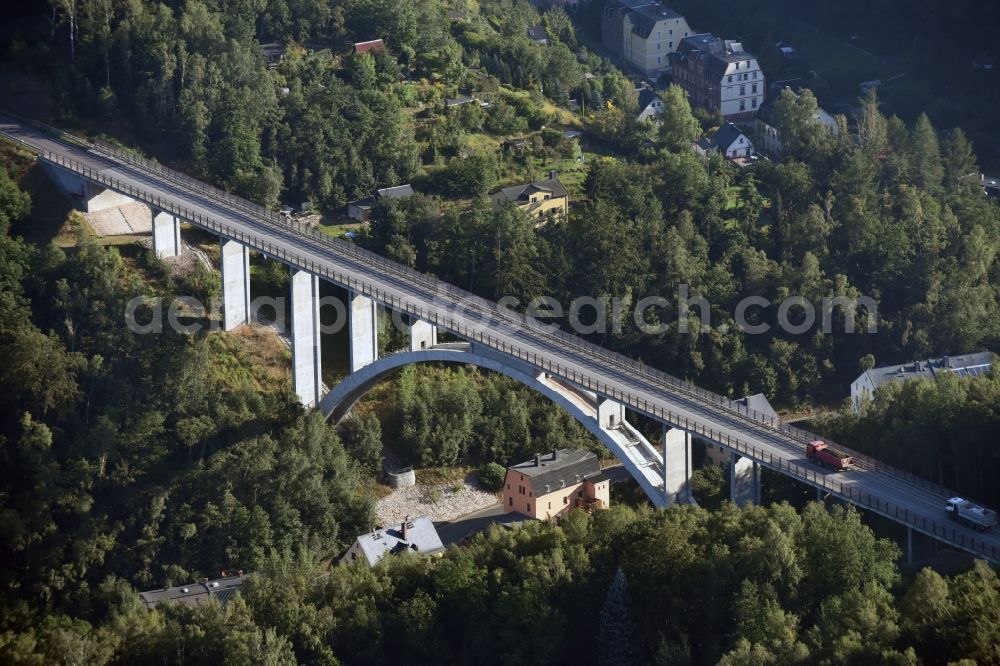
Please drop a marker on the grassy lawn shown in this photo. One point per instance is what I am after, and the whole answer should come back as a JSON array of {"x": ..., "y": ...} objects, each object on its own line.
[{"x": 336, "y": 230}]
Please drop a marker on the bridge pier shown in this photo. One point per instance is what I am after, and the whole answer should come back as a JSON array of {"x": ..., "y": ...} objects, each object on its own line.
[
  {"x": 166, "y": 234},
  {"x": 235, "y": 284},
  {"x": 610, "y": 414},
  {"x": 423, "y": 334},
  {"x": 364, "y": 331},
  {"x": 306, "y": 365},
  {"x": 676, "y": 466},
  {"x": 744, "y": 481}
]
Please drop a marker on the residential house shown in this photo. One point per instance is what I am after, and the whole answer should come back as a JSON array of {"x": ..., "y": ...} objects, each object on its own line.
[
  {"x": 643, "y": 32},
  {"x": 371, "y": 45},
  {"x": 273, "y": 53},
  {"x": 194, "y": 594},
  {"x": 991, "y": 186},
  {"x": 456, "y": 15},
  {"x": 766, "y": 132},
  {"x": 361, "y": 209},
  {"x": 550, "y": 485},
  {"x": 650, "y": 105},
  {"x": 515, "y": 144},
  {"x": 538, "y": 35},
  {"x": 966, "y": 365},
  {"x": 757, "y": 402},
  {"x": 416, "y": 535},
  {"x": 729, "y": 140},
  {"x": 719, "y": 76},
  {"x": 539, "y": 200}
]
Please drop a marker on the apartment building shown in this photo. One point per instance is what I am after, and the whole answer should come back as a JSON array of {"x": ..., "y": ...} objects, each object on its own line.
[
  {"x": 719, "y": 76},
  {"x": 644, "y": 33}
]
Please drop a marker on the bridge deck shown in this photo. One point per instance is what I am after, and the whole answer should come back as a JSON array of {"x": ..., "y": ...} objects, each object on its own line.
[{"x": 914, "y": 502}]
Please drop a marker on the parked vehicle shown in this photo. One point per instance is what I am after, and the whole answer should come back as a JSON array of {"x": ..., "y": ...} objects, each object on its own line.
[
  {"x": 972, "y": 515},
  {"x": 820, "y": 454}
]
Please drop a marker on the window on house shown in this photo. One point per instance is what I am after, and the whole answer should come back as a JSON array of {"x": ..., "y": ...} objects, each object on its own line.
[
  {"x": 671, "y": 45},
  {"x": 743, "y": 105},
  {"x": 755, "y": 75},
  {"x": 657, "y": 60},
  {"x": 730, "y": 78},
  {"x": 743, "y": 90},
  {"x": 511, "y": 501},
  {"x": 658, "y": 45},
  {"x": 527, "y": 508},
  {"x": 671, "y": 31},
  {"x": 659, "y": 34},
  {"x": 754, "y": 103},
  {"x": 737, "y": 65},
  {"x": 579, "y": 493},
  {"x": 566, "y": 500},
  {"x": 754, "y": 88}
]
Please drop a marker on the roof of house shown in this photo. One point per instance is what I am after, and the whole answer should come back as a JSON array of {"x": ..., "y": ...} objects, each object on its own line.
[
  {"x": 365, "y": 47},
  {"x": 964, "y": 365},
  {"x": 193, "y": 594},
  {"x": 456, "y": 15},
  {"x": 715, "y": 52},
  {"x": 537, "y": 33},
  {"x": 759, "y": 403},
  {"x": 515, "y": 143},
  {"x": 397, "y": 192},
  {"x": 421, "y": 537},
  {"x": 520, "y": 193},
  {"x": 561, "y": 468},
  {"x": 644, "y": 14},
  {"x": 571, "y": 133},
  {"x": 364, "y": 204},
  {"x": 646, "y": 97},
  {"x": 457, "y": 101},
  {"x": 725, "y": 136}
]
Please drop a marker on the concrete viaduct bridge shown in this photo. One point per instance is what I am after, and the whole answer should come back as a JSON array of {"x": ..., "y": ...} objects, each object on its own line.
[{"x": 594, "y": 384}]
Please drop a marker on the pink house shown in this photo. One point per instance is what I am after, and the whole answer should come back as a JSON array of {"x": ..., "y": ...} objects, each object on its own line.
[{"x": 555, "y": 483}]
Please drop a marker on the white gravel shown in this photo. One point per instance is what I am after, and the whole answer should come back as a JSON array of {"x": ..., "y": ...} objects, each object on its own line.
[
  {"x": 134, "y": 218},
  {"x": 419, "y": 500}
]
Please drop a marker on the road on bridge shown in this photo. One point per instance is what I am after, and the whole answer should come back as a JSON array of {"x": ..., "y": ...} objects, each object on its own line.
[{"x": 893, "y": 493}]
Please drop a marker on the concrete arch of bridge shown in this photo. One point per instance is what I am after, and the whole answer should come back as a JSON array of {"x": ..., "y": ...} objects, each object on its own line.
[{"x": 342, "y": 397}]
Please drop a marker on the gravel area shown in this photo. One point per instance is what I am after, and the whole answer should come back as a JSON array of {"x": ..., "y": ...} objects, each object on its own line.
[
  {"x": 122, "y": 220},
  {"x": 419, "y": 500}
]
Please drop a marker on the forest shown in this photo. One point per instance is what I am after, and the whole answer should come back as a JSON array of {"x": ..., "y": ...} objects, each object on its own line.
[{"x": 131, "y": 462}]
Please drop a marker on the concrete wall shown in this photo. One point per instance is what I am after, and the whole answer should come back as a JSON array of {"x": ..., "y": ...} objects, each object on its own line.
[
  {"x": 364, "y": 331},
  {"x": 166, "y": 234},
  {"x": 744, "y": 481},
  {"x": 97, "y": 198},
  {"x": 306, "y": 365},
  {"x": 609, "y": 412},
  {"x": 677, "y": 465},
  {"x": 235, "y": 284},
  {"x": 423, "y": 335}
]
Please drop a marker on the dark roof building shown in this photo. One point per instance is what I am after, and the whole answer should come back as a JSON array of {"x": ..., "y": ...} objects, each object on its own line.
[
  {"x": 537, "y": 34},
  {"x": 550, "y": 485},
  {"x": 538, "y": 200},
  {"x": 964, "y": 365},
  {"x": 719, "y": 75},
  {"x": 220, "y": 589}
]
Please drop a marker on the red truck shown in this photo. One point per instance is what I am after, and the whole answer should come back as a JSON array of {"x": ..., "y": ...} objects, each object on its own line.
[{"x": 820, "y": 454}]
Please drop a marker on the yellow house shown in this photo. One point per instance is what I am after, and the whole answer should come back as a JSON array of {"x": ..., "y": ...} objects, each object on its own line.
[{"x": 539, "y": 200}]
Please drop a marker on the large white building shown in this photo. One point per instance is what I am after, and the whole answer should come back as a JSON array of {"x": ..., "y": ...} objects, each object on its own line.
[
  {"x": 644, "y": 33},
  {"x": 966, "y": 365},
  {"x": 720, "y": 76}
]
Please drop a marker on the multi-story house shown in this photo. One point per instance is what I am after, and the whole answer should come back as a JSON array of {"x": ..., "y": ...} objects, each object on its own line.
[
  {"x": 540, "y": 200},
  {"x": 644, "y": 33},
  {"x": 719, "y": 76},
  {"x": 555, "y": 483}
]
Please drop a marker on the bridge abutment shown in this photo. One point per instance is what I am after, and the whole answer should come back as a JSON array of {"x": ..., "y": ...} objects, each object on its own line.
[
  {"x": 166, "y": 234},
  {"x": 676, "y": 466},
  {"x": 364, "y": 331},
  {"x": 744, "y": 481},
  {"x": 306, "y": 357},
  {"x": 235, "y": 284}
]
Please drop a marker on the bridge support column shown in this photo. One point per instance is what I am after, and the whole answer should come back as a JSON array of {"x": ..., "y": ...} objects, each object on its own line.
[
  {"x": 306, "y": 357},
  {"x": 364, "y": 331},
  {"x": 676, "y": 466},
  {"x": 609, "y": 412},
  {"x": 235, "y": 284},
  {"x": 423, "y": 335},
  {"x": 166, "y": 234},
  {"x": 744, "y": 481}
]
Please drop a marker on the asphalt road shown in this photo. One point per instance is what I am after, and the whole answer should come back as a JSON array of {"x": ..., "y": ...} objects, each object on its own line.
[{"x": 883, "y": 491}]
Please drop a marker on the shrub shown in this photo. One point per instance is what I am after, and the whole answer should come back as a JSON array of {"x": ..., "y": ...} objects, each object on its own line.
[{"x": 491, "y": 476}]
